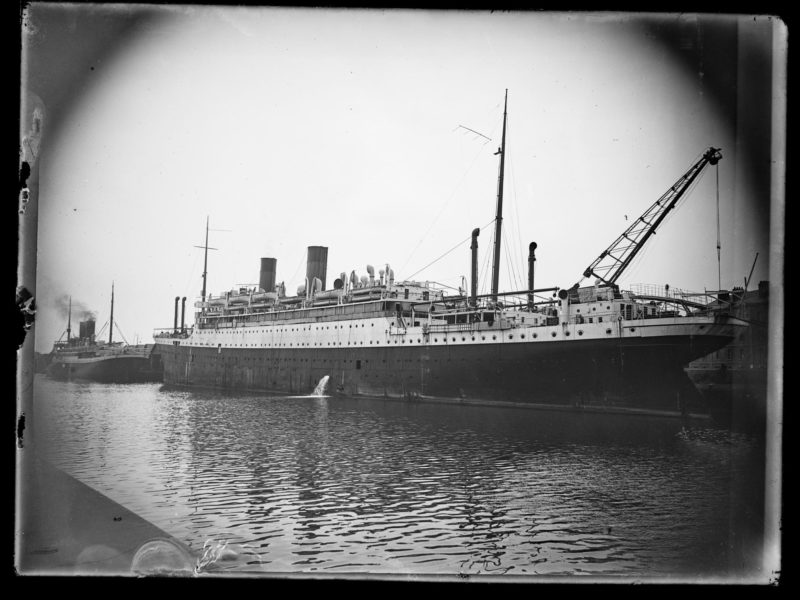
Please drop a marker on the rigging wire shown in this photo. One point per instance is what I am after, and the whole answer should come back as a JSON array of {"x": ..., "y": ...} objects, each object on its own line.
[
  {"x": 444, "y": 206},
  {"x": 449, "y": 287},
  {"x": 520, "y": 244},
  {"x": 509, "y": 239},
  {"x": 458, "y": 185},
  {"x": 192, "y": 274},
  {"x": 512, "y": 271},
  {"x": 467, "y": 239},
  {"x": 485, "y": 269},
  {"x": 473, "y": 131},
  {"x": 120, "y": 332},
  {"x": 637, "y": 260},
  {"x": 519, "y": 275},
  {"x": 299, "y": 265},
  {"x": 442, "y": 210},
  {"x": 511, "y": 274},
  {"x": 102, "y": 331}
]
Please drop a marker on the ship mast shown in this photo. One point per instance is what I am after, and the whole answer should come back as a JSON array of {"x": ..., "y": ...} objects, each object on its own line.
[
  {"x": 69, "y": 320},
  {"x": 205, "y": 264},
  {"x": 498, "y": 221},
  {"x": 205, "y": 248},
  {"x": 111, "y": 320}
]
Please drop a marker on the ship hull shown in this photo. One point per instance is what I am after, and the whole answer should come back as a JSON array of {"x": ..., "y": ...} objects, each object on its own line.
[
  {"x": 117, "y": 369},
  {"x": 621, "y": 373},
  {"x": 735, "y": 396}
]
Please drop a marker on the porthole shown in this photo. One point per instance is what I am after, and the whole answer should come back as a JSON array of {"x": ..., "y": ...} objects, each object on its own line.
[
  {"x": 511, "y": 337},
  {"x": 580, "y": 332},
  {"x": 522, "y": 336},
  {"x": 553, "y": 334},
  {"x": 463, "y": 339},
  {"x": 494, "y": 337},
  {"x": 633, "y": 329}
]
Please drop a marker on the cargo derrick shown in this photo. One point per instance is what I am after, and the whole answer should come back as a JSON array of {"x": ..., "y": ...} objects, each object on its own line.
[{"x": 615, "y": 259}]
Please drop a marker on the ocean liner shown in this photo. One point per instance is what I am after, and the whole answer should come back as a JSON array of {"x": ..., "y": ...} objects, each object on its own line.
[
  {"x": 84, "y": 357},
  {"x": 596, "y": 347}
]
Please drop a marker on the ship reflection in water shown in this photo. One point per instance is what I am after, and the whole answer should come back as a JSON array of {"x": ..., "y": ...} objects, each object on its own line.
[{"x": 344, "y": 485}]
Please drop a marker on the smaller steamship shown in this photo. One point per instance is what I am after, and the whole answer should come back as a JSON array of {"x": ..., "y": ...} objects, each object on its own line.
[{"x": 84, "y": 357}]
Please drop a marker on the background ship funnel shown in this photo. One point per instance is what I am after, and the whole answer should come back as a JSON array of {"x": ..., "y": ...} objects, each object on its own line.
[
  {"x": 183, "y": 314},
  {"x": 317, "y": 264},
  {"x": 86, "y": 329},
  {"x": 266, "y": 278}
]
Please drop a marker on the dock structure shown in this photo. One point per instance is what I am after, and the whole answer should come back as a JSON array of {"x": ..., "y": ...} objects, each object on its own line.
[{"x": 65, "y": 527}]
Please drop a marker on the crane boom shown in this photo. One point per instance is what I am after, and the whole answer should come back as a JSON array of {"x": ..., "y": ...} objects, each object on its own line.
[{"x": 613, "y": 261}]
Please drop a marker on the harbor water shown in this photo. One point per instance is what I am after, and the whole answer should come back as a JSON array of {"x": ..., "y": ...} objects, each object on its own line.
[{"x": 345, "y": 486}]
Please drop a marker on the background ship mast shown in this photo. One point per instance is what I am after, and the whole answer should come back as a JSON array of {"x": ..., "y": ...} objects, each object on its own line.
[
  {"x": 205, "y": 264},
  {"x": 206, "y": 248},
  {"x": 69, "y": 320},
  {"x": 111, "y": 319},
  {"x": 498, "y": 221}
]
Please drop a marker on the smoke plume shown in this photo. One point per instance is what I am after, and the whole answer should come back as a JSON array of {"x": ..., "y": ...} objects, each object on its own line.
[{"x": 80, "y": 312}]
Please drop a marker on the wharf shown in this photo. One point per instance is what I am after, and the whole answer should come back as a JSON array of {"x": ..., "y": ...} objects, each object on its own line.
[{"x": 64, "y": 527}]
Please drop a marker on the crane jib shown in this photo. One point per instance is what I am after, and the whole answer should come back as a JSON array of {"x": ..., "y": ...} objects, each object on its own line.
[{"x": 627, "y": 245}]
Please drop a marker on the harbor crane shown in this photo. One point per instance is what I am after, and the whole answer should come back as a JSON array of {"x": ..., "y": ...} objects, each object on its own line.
[{"x": 613, "y": 261}]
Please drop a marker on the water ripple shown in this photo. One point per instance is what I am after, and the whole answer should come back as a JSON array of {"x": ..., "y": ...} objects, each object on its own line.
[{"x": 350, "y": 485}]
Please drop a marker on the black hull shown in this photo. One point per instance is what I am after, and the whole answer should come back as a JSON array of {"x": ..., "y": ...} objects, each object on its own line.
[
  {"x": 736, "y": 397},
  {"x": 635, "y": 373},
  {"x": 109, "y": 370}
]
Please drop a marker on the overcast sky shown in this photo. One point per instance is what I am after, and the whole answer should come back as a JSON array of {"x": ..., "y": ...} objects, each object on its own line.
[{"x": 341, "y": 128}]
